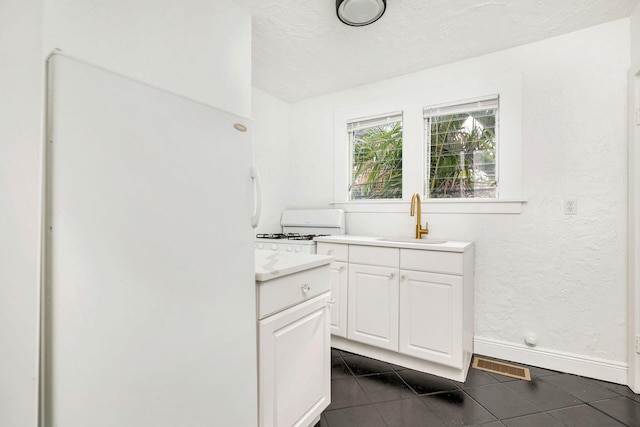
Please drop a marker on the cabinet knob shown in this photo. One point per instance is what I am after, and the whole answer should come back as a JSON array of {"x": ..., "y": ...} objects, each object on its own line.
[
  {"x": 404, "y": 276},
  {"x": 331, "y": 302},
  {"x": 341, "y": 268},
  {"x": 392, "y": 275},
  {"x": 305, "y": 288}
]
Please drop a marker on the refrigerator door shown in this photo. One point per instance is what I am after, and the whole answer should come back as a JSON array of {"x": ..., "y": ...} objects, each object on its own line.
[{"x": 149, "y": 293}]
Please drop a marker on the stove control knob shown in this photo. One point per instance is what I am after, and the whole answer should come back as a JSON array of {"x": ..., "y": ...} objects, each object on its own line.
[
  {"x": 289, "y": 248},
  {"x": 297, "y": 248},
  {"x": 260, "y": 245},
  {"x": 274, "y": 247}
]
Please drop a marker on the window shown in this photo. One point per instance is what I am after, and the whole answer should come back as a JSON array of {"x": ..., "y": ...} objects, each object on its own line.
[
  {"x": 478, "y": 134},
  {"x": 460, "y": 150},
  {"x": 376, "y": 157}
]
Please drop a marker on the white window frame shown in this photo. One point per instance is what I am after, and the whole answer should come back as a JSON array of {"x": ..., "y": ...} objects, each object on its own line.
[
  {"x": 464, "y": 106},
  {"x": 505, "y": 84},
  {"x": 367, "y": 122}
]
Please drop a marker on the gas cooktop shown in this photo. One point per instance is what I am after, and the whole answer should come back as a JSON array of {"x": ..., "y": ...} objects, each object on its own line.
[{"x": 288, "y": 236}]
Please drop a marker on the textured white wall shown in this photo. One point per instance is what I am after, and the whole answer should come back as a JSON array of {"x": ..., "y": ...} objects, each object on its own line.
[
  {"x": 196, "y": 48},
  {"x": 295, "y": 158},
  {"x": 22, "y": 89},
  {"x": 272, "y": 155},
  {"x": 561, "y": 277},
  {"x": 635, "y": 38}
]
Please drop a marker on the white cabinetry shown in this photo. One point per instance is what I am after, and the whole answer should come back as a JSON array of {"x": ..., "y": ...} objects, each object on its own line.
[
  {"x": 339, "y": 276},
  {"x": 294, "y": 340},
  {"x": 431, "y": 317},
  {"x": 295, "y": 365},
  {"x": 373, "y": 306},
  {"x": 413, "y": 307}
]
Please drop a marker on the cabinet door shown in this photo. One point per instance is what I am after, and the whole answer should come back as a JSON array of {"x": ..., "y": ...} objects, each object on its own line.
[
  {"x": 431, "y": 317},
  {"x": 295, "y": 364},
  {"x": 339, "y": 276},
  {"x": 373, "y": 306}
]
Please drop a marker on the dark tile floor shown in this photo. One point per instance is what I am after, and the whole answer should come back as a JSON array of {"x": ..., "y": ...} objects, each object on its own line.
[{"x": 370, "y": 393}]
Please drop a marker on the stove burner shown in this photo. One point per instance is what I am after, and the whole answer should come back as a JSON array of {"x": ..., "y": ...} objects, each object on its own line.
[
  {"x": 289, "y": 236},
  {"x": 305, "y": 236},
  {"x": 273, "y": 236}
]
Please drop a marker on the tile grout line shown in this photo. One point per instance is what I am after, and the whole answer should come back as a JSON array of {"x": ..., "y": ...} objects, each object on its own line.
[
  {"x": 608, "y": 415},
  {"x": 563, "y": 379}
]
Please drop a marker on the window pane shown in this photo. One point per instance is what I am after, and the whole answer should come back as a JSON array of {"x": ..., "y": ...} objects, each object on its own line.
[
  {"x": 461, "y": 155},
  {"x": 376, "y": 171}
]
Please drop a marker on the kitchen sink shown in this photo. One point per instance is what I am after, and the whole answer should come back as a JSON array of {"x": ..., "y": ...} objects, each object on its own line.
[{"x": 413, "y": 240}]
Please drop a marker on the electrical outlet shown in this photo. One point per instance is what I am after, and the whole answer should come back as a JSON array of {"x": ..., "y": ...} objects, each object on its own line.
[{"x": 570, "y": 206}]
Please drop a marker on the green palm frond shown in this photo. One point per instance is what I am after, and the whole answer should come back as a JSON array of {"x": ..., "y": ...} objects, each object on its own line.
[
  {"x": 463, "y": 152},
  {"x": 377, "y": 162}
]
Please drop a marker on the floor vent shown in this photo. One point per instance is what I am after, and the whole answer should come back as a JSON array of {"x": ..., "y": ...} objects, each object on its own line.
[{"x": 501, "y": 368}]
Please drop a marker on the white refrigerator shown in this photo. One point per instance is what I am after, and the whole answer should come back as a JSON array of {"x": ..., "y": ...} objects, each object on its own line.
[{"x": 148, "y": 313}]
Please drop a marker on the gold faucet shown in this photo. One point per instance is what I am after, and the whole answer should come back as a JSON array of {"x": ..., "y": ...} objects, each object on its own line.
[{"x": 415, "y": 201}]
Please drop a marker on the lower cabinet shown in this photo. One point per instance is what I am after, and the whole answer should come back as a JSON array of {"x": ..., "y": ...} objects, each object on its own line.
[
  {"x": 295, "y": 364},
  {"x": 373, "y": 306},
  {"x": 339, "y": 275},
  {"x": 431, "y": 317},
  {"x": 415, "y": 303}
]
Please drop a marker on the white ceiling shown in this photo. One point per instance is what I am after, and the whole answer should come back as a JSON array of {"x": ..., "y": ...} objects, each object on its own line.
[{"x": 301, "y": 49}]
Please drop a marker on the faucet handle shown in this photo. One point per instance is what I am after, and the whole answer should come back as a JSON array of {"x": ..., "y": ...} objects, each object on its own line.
[{"x": 424, "y": 230}]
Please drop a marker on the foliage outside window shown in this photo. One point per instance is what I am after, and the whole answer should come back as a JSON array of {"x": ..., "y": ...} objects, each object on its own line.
[
  {"x": 460, "y": 145},
  {"x": 376, "y": 158}
]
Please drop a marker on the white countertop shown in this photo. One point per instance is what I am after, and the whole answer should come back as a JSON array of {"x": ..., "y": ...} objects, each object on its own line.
[
  {"x": 402, "y": 242},
  {"x": 270, "y": 265}
]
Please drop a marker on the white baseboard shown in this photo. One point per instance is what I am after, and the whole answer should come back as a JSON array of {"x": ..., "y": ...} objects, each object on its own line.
[{"x": 591, "y": 367}]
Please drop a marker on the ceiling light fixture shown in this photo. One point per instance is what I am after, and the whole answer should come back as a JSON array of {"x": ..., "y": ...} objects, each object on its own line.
[{"x": 360, "y": 12}]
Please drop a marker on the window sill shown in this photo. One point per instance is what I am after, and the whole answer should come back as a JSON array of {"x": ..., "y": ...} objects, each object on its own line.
[{"x": 451, "y": 206}]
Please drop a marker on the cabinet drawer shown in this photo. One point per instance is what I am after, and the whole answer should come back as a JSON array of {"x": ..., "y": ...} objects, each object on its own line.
[
  {"x": 277, "y": 294},
  {"x": 338, "y": 251},
  {"x": 373, "y": 255},
  {"x": 434, "y": 261}
]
